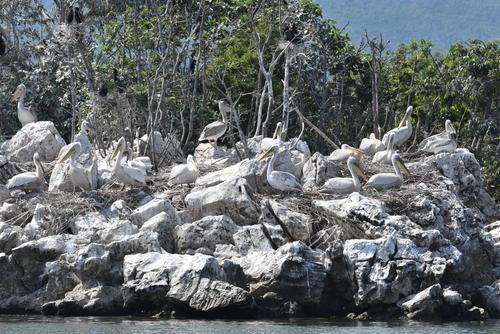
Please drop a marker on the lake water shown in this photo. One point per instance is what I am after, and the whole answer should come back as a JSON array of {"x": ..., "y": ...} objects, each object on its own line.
[{"x": 125, "y": 325}]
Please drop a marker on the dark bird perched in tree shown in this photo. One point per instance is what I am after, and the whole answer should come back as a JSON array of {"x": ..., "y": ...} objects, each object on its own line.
[
  {"x": 75, "y": 15},
  {"x": 292, "y": 35},
  {"x": 192, "y": 63},
  {"x": 3, "y": 45},
  {"x": 120, "y": 85},
  {"x": 103, "y": 91}
]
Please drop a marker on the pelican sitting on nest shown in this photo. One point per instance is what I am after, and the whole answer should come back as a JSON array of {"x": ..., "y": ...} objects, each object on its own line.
[
  {"x": 184, "y": 174},
  {"x": 385, "y": 156},
  {"x": 81, "y": 176},
  {"x": 139, "y": 162},
  {"x": 344, "y": 152},
  {"x": 25, "y": 115},
  {"x": 345, "y": 185},
  {"x": 371, "y": 145},
  {"x": 267, "y": 143},
  {"x": 401, "y": 133},
  {"x": 28, "y": 181},
  {"x": 383, "y": 181},
  {"x": 279, "y": 180},
  {"x": 442, "y": 142},
  {"x": 125, "y": 173},
  {"x": 215, "y": 130}
]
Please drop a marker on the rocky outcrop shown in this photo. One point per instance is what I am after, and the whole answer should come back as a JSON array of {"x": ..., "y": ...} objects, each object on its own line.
[
  {"x": 230, "y": 247},
  {"x": 41, "y": 137}
]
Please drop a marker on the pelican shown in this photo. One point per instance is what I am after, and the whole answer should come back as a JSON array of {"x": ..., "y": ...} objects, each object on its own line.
[
  {"x": 28, "y": 181},
  {"x": 81, "y": 176},
  {"x": 184, "y": 174},
  {"x": 25, "y": 115},
  {"x": 267, "y": 143},
  {"x": 124, "y": 173},
  {"x": 371, "y": 145},
  {"x": 279, "y": 180},
  {"x": 344, "y": 152},
  {"x": 401, "y": 133},
  {"x": 346, "y": 185},
  {"x": 385, "y": 156},
  {"x": 215, "y": 130},
  {"x": 139, "y": 162},
  {"x": 383, "y": 181},
  {"x": 441, "y": 142}
]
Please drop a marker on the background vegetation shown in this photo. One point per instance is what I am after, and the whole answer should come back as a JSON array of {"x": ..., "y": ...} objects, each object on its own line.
[{"x": 160, "y": 65}]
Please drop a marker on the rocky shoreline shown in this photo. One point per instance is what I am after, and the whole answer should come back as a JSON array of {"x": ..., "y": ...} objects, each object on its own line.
[{"x": 231, "y": 248}]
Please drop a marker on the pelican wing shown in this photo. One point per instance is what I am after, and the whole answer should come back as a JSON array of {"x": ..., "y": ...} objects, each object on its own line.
[
  {"x": 213, "y": 131},
  {"x": 136, "y": 174},
  {"x": 21, "y": 180},
  {"x": 178, "y": 170},
  {"x": 340, "y": 185},
  {"x": 384, "y": 181},
  {"x": 284, "y": 181},
  {"x": 428, "y": 141},
  {"x": 440, "y": 145}
]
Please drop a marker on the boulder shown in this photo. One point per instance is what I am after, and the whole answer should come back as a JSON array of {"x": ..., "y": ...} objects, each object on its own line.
[
  {"x": 152, "y": 208},
  {"x": 297, "y": 226},
  {"x": 252, "y": 238},
  {"x": 317, "y": 169},
  {"x": 206, "y": 154},
  {"x": 205, "y": 233},
  {"x": 164, "y": 225},
  {"x": 489, "y": 298},
  {"x": 41, "y": 137},
  {"x": 229, "y": 198},
  {"x": 425, "y": 304}
]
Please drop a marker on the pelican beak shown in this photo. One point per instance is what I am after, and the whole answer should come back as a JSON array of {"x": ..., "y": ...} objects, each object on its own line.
[
  {"x": 68, "y": 155},
  {"x": 355, "y": 150},
  {"x": 266, "y": 155},
  {"x": 360, "y": 172},
  {"x": 15, "y": 96},
  {"x": 116, "y": 151},
  {"x": 402, "y": 167}
]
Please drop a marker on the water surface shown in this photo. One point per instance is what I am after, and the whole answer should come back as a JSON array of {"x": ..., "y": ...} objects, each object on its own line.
[{"x": 126, "y": 325}]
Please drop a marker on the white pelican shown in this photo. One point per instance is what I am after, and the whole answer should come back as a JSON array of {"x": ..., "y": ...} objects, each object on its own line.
[
  {"x": 139, "y": 162},
  {"x": 184, "y": 174},
  {"x": 81, "y": 176},
  {"x": 346, "y": 185},
  {"x": 279, "y": 180},
  {"x": 30, "y": 180},
  {"x": 401, "y": 133},
  {"x": 441, "y": 142},
  {"x": 385, "y": 156},
  {"x": 267, "y": 143},
  {"x": 25, "y": 115},
  {"x": 383, "y": 181},
  {"x": 344, "y": 152},
  {"x": 371, "y": 145},
  {"x": 123, "y": 172},
  {"x": 215, "y": 130}
]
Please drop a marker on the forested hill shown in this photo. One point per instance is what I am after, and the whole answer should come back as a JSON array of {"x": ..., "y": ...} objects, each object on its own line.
[{"x": 441, "y": 21}]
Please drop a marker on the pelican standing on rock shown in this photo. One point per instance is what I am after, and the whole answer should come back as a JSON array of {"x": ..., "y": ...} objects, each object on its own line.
[
  {"x": 81, "y": 176},
  {"x": 125, "y": 173},
  {"x": 401, "y": 133},
  {"x": 371, "y": 145},
  {"x": 25, "y": 115},
  {"x": 184, "y": 174},
  {"x": 385, "y": 156},
  {"x": 279, "y": 180},
  {"x": 344, "y": 152},
  {"x": 345, "y": 185},
  {"x": 29, "y": 181},
  {"x": 441, "y": 142},
  {"x": 215, "y": 130},
  {"x": 384, "y": 181}
]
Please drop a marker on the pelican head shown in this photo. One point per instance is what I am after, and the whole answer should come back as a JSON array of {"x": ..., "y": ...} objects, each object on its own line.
[
  {"x": 372, "y": 136},
  {"x": 353, "y": 163},
  {"x": 19, "y": 93},
  {"x": 352, "y": 149},
  {"x": 398, "y": 162},
  {"x": 279, "y": 129},
  {"x": 408, "y": 113},
  {"x": 272, "y": 151},
  {"x": 73, "y": 149},
  {"x": 36, "y": 157},
  {"x": 190, "y": 160},
  {"x": 120, "y": 148}
]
